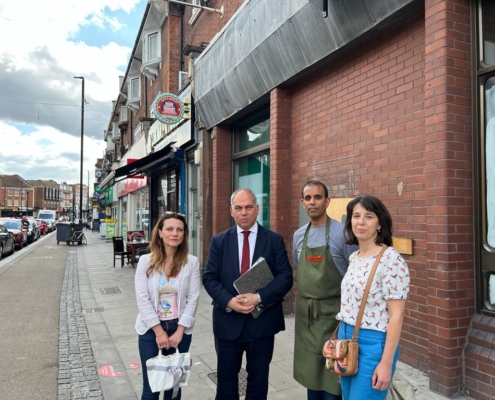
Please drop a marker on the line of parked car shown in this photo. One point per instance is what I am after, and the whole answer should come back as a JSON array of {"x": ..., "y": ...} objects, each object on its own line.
[{"x": 14, "y": 235}]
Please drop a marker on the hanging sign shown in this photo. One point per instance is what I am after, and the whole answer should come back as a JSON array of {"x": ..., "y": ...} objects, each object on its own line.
[{"x": 168, "y": 108}]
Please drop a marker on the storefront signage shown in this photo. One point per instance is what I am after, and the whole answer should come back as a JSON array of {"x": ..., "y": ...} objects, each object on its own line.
[
  {"x": 168, "y": 108},
  {"x": 130, "y": 185}
]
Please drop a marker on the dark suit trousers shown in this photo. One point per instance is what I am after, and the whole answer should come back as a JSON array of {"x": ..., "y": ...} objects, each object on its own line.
[{"x": 259, "y": 352}]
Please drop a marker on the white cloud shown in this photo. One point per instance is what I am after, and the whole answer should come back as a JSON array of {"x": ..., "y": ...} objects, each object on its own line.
[
  {"x": 38, "y": 61},
  {"x": 47, "y": 152}
]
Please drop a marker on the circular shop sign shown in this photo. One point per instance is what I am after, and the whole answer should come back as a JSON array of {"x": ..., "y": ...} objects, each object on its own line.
[{"x": 168, "y": 108}]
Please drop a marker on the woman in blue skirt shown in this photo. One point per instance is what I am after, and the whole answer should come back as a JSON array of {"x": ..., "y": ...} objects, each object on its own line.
[{"x": 369, "y": 224}]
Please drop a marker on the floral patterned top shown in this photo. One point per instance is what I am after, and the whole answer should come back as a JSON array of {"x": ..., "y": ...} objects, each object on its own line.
[{"x": 391, "y": 282}]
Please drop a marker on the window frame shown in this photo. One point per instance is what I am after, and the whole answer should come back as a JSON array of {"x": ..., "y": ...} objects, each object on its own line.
[
  {"x": 484, "y": 254},
  {"x": 148, "y": 46},
  {"x": 260, "y": 150},
  {"x": 131, "y": 93}
]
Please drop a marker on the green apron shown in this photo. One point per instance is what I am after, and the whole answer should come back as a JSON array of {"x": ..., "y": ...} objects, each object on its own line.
[{"x": 317, "y": 304}]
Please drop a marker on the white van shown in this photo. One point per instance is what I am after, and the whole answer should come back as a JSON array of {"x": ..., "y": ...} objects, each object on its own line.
[{"x": 49, "y": 216}]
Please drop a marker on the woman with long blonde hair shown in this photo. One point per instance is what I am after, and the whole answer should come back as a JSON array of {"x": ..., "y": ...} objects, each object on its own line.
[{"x": 167, "y": 291}]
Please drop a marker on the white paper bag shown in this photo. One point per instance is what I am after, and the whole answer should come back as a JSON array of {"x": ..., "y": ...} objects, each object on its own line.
[{"x": 168, "y": 372}]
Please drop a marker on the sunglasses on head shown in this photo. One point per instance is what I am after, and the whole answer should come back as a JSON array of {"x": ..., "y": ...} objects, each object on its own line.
[{"x": 174, "y": 213}]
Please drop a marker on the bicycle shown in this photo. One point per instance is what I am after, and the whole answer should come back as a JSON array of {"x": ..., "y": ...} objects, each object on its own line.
[{"x": 76, "y": 237}]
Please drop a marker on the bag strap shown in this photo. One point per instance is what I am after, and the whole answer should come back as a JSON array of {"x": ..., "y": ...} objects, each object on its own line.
[
  {"x": 366, "y": 292},
  {"x": 365, "y": 297}
]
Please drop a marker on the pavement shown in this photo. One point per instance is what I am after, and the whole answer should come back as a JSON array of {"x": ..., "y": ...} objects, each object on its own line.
[{"x": 98, "y": 349}]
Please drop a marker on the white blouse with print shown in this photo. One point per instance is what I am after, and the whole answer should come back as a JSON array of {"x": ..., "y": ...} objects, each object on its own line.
[{"x": 391, "y": 282}]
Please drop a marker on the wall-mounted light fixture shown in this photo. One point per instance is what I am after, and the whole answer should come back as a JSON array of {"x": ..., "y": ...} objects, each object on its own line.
[
  {"x": 322, "y": 5},
  {"x": 219, "y": 11}
]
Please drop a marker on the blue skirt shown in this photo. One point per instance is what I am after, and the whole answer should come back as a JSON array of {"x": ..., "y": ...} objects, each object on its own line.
[{"x": 371, "y": 345}]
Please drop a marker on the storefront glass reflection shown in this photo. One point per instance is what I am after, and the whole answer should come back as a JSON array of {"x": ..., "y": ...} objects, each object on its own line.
[
  {"x": 253, "y": 172},
  {"x": 167, "y": 196},
  {"x": 489, "y": 31}
]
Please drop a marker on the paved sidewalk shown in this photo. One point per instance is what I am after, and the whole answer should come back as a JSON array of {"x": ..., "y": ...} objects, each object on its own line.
[{"x": 109, "y": 308}]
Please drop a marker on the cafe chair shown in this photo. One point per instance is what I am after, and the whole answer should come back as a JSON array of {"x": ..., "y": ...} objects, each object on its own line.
[{"x": 119, "y": 251}]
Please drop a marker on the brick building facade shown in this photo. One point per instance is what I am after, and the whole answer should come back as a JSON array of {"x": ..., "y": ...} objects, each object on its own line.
[{"x": 385, "y": 110}]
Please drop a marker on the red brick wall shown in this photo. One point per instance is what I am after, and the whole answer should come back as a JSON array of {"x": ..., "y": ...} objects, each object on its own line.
[
  {"x": 208, "y": 24},
  {"x": 358, "y": 125},
  {"x": 480, "y": 359},
  {"x": 448, "y": 188},
  {"x": 222, "y": 187},
  {"x": 280, "y": 158},
  {"x": 280, "y": 178}
]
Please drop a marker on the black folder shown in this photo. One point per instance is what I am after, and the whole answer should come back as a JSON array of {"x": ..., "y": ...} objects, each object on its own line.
[{"x": 254, "y": 279}]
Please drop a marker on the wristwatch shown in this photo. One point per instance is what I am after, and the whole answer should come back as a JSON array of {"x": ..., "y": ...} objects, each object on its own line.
[{"x": 259, "y": 306}]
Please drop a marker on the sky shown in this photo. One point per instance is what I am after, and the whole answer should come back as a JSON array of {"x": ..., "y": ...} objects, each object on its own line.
[{"x": 43, "y": 46}]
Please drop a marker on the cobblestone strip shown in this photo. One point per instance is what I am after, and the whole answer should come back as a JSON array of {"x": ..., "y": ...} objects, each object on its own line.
[{"x": 77, "y": 371}]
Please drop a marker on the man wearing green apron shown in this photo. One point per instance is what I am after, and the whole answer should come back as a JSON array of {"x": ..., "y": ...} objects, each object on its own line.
[{"x": 321, "y": 257}]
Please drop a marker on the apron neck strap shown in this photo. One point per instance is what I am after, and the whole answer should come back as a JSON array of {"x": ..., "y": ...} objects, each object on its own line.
[{"x": 327, "y": 232}]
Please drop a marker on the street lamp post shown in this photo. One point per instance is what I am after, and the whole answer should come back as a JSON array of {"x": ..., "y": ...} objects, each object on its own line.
[
  {"x": 82, "y": 147},
  {"x": 87, "y": 204}
]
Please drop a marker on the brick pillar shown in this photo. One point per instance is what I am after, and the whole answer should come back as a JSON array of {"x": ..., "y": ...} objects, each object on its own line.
[
  {"x": 449, "y": 191},
  {"x": 280, "y": 161},
  {"x": 222, "y": 187},
  {"x": 280, "y": 171}
]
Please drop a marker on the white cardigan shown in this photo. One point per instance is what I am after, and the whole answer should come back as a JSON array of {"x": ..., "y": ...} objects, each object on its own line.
[{"x": 147, "y": 295}]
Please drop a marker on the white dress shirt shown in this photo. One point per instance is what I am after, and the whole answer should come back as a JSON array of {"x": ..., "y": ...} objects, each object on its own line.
[{"x": 252, "y": 242}]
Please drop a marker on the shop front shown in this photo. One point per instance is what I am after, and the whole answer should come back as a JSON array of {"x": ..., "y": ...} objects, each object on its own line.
[
  {"x": 169, "y": 167},
  {"x": 372, "y": 100}
]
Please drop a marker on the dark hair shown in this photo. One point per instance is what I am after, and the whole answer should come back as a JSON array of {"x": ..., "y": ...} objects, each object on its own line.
[
  {"x": 374, "y": 205},
  {"x": 315, "y": 183},
  {"x": 158, "y": 254}
]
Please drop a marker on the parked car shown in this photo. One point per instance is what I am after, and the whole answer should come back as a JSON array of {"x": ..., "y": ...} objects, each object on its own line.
[
  {"x": 20, "y": 233},
  {"x": 7, "y": 243},
  {"x": 51, "y": 224},
  {"x": 49, "y": 216},
  {"x": 33, "y": 231},
  {"x": 43, "y": 226}
]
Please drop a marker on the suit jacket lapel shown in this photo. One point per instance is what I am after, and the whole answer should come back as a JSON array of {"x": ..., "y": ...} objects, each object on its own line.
[
  {"x": 233, "y": 249},
  {"x": 260, "y": 243}
]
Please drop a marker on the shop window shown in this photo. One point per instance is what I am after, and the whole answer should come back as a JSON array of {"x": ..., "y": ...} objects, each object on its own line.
[
  {"x": 490, "y": 289},
  {"x": 253, "y": 172},
  {"x": 490, "y": 159},
  {"x": 168, "y": 196},
  {"x": 488, "y": 7},
  {"x": 251, "y": 162},
  {"x": 484, "y": 154}
]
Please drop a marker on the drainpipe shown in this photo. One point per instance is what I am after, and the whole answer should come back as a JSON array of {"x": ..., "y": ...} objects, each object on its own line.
[{"x": 181, "y": 9}]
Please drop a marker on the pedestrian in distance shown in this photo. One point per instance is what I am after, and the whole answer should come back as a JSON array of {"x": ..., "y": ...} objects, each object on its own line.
[
  {"x": 369, "y": 224},
  {"x": 321, "y": 257},
  {"x": 232, "y": 252},
  {"x": 167, "y": 291}
]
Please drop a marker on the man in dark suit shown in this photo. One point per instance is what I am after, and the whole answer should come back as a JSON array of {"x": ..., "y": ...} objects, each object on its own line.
[{"x": 236, "y": 331}]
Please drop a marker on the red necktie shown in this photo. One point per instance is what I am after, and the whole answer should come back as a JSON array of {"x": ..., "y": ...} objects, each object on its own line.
[{"x": 245, "y": 252}]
